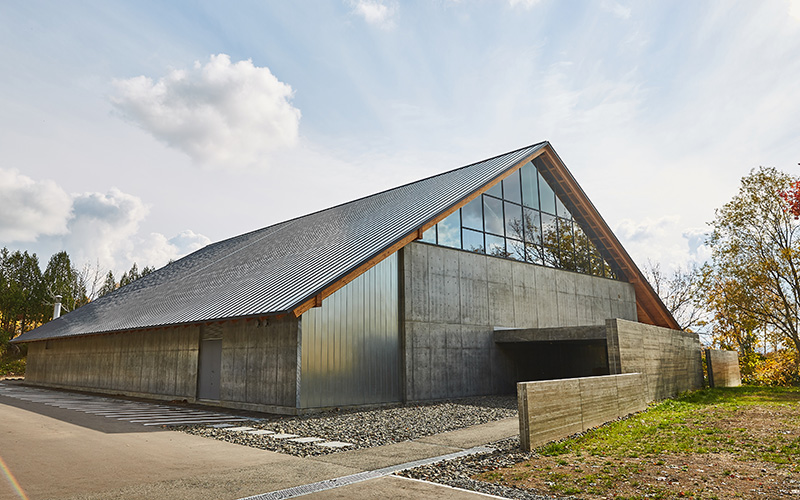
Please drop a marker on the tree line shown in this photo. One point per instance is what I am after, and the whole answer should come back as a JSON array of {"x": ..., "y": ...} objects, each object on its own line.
[{"x": 28, "y": 294}]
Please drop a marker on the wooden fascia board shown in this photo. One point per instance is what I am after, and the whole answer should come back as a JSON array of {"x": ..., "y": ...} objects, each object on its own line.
[
  {"x": 414, "y": 235},
  {"x": 649, "y": 306}
]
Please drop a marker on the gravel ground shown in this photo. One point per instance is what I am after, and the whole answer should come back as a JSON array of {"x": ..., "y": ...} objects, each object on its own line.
[
  {"x": 366, "y": 428},
  {"x": 457, "y": 472}
]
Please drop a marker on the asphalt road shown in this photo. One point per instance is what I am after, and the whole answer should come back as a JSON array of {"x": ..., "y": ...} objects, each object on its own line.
[{"x": 48, "y": 452}]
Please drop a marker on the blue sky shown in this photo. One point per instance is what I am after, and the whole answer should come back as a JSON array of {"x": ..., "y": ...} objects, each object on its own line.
[{"x": 140, "y": 131}]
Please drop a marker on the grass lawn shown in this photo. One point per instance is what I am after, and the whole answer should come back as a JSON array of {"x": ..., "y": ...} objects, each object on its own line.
[{"x": 741, "y": 442}]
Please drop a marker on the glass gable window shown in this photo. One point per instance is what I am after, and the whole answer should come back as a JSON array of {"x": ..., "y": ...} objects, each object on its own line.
[{"x": 521, "y": 218}]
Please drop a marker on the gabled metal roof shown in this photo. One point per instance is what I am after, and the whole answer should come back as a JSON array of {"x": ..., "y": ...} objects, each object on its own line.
[{"x": 277, "y": 269}]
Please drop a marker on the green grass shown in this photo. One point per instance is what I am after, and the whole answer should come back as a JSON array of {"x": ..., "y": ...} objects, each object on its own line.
[{"x": 690, "y": 424}]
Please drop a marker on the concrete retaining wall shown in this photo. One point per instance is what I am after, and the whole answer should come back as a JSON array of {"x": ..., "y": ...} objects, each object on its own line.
[
  {"x": 723, "y": 368},
  {"x": 554, "y": 409},
  {"x": 670, "y": 360}
]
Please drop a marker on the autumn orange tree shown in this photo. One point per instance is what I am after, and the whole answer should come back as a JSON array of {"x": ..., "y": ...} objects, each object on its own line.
[{"x": 756, "y": 260}]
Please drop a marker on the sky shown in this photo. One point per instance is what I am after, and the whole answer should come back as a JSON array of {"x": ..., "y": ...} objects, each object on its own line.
[{"x": 142, "y": 131}]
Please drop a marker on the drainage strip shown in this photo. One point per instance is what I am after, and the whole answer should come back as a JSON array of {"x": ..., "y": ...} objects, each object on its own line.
[{"x": 338, "y": 482}]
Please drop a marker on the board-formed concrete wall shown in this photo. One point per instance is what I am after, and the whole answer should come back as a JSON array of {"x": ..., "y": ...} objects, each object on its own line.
[
  {"x": 553, "y": 409},
  {"x": 452, "y": 301},
  {"x": 159, "y": 363},
  {"x": 670, "y": 360},
  {"x": 259, "y": 365},
  {"x": 723, "y": 368}
]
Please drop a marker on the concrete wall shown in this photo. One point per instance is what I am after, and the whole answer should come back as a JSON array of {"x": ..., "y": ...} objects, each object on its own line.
[
  {"x": 723, "y": 368},
  {"x": 554, "y": 409},
  {"x": 452, "y": 301},
  {"x": 158, "y": 363},
  {"x": 260, "y": 366},
  {"x": 669, "y": 359}
]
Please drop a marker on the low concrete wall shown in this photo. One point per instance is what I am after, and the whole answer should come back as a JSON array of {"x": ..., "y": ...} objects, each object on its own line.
[
  {"x": 554, "y": 409},
  {"x": 670, "y": 360},
  {"x": 723, "y": 368}
]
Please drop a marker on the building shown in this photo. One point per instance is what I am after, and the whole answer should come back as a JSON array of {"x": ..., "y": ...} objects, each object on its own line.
[{"x": 459, "y": 284}]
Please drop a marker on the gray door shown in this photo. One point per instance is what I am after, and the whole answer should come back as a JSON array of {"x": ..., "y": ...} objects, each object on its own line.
[{"x": 208, "y": 369}]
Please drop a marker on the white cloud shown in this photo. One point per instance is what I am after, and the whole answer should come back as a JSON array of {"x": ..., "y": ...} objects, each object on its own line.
[
  {"x": 221, "y": 114},
  {"x": 156, "y": 250},
  {"x": 375, "y": 12},
  {"x": 31, "y": 208},
  {"x": 794, "y": 9},
  {"x": 617, "y": 9},
  {"x": 664, "y": 240},
  {"x": 103, "y": 225},
  {"x": 103, "y": 228},
  {"x": 526, "y": 4}
]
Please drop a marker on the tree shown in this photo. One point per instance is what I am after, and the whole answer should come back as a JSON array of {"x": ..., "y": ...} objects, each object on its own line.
[
  {"x": 680, "y": 292},
  {"x": 61, "y": 278},
  {"x": 134, "y": 274},
  {"x": 109, "y": 285},
  {"x": 23, "y": 294},
  {"x": 756, "y": 259},
  {"x": 791, "y": 196}
]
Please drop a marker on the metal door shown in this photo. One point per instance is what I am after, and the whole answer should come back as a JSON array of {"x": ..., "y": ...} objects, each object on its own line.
[{"x": 208, "y": 370}]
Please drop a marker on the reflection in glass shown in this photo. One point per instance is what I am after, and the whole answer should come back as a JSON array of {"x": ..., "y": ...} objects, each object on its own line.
[
  {"x": 546, "y": 196},
  {"x": 530, "y": 189},
  {"x": 562, "y": 210},
  {"x": 496, "y": 191},
  {"x": 472, "y": 240},
  {"x": 511, "y": 188},
  {"x": 505, "y": 228},
  {"x": 449, "y": 231},
  {"x": 429, "y": 236},
  {"x": 472, "y": 215},
  {"x": 534, "y": 253},
  {"x": 533, "y": 226},
  {"x": 495, "y": 246},
  {"x": 515, "y": 249},
  {"x": 493, "y": 215},
  {"x": 513, "y": 218}
]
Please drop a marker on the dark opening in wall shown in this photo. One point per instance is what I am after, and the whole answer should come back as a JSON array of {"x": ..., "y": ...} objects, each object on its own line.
[{"x": 556, "y": 360}]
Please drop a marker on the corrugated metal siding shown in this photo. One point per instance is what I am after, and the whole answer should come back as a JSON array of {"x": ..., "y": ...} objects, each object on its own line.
[
  {"x": 351, "y": 345},
  {"x": 275, "y": 269}
]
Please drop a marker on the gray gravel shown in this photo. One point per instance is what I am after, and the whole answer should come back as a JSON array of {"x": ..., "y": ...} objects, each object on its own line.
[
  {"x": 366, "y": 428},
  {"x": 457, "y": 472}
]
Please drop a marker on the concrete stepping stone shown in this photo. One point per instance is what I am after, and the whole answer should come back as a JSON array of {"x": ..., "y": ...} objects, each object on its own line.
[
  {"x": 261, "y": 432},
  {"x": 306, "y": 440},
  {"x": 239, "y": 429},
  {"x": 283, "y": 436},
  {"x": 220, "y": 426},
  {"x": 334, "y": 444}
]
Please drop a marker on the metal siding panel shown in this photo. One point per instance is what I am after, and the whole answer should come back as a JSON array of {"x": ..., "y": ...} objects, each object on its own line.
[{"x": 356, "y": 330}]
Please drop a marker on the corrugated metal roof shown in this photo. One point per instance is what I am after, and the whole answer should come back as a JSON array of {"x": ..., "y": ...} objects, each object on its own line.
[{"x": 273, "y": 270}]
